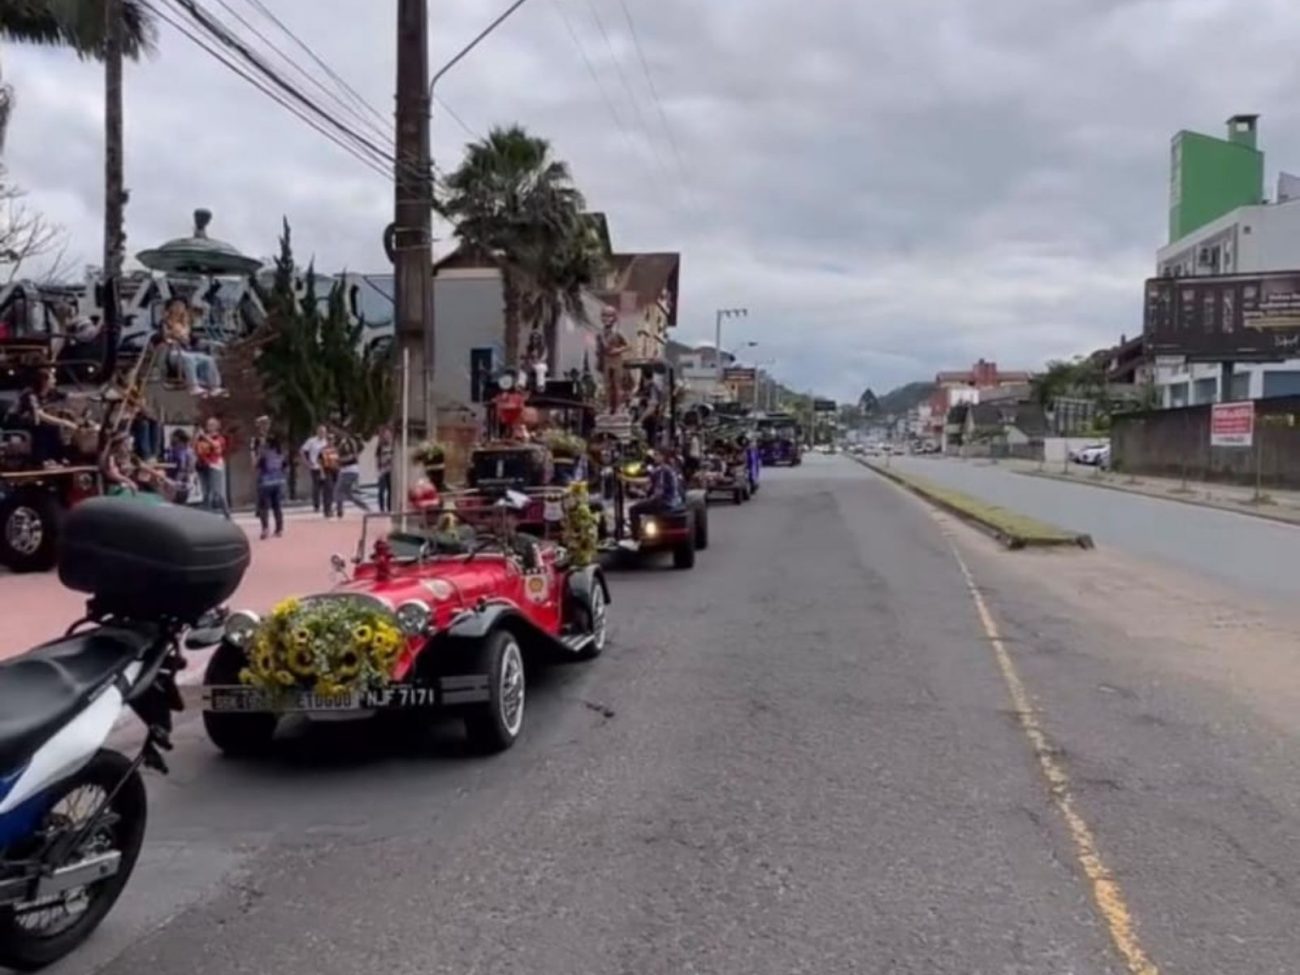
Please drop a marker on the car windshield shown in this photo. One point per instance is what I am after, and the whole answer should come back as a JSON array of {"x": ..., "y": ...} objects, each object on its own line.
[{"x": 413, "y": 535}]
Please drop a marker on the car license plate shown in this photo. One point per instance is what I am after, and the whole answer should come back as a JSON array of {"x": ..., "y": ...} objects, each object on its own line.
[{"x": 255, "y": 699}]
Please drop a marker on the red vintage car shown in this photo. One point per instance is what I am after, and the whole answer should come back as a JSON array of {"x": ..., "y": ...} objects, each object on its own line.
[{"x": 471, "y": 603}]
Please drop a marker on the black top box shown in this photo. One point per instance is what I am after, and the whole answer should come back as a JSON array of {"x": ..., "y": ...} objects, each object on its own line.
[{"x": 151, "y": 562}]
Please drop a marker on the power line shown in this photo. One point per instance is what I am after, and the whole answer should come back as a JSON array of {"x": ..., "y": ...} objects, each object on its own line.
[
  {"x": 372, "y": 159},
  {"x": 204, "y": 19},
  {"x": 622, "y": 77},
  {"x": 654, "y": 93},
  {"x": 361, "y": 117},
  {"x": 343, "y": 85},
  {"x": 356, "y": 97},
  {"x": 609, "y": 104}
]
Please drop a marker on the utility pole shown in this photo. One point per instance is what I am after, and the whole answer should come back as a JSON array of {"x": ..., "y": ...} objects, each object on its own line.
[
  {"x": 114, "y": 191},
  {"x": 409, "y": 240}
]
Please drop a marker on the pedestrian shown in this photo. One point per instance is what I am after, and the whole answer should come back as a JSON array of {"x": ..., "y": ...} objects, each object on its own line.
[
  {"x": 311, "y": 451},
  {"x": 349, "y": 473},
  {"x": 210, "y": 451},
  {"x": 270, "y": 465},
  {"x": 261, "y": 430},
  {"x": 181, "y": 461},
  {"x": 384, "y": 465},
  {"x": 329, "y": 471}
]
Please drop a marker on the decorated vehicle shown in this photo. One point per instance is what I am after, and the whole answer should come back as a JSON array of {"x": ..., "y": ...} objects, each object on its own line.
[
  {"x": 439, "y": 613},
  {"x": 780, "y": 440},
  {"x": 728, "y": 472},
  {"x": 48, "y": 468},
  {"x": 72, "y": 808},
  {"x": 635, "y": 528}
]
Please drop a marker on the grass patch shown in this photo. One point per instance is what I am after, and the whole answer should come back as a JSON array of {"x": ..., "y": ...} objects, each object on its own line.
[{"x": 1011, "y": 528}]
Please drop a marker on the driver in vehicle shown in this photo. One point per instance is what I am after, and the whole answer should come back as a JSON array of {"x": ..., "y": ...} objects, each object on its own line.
[{"x": 665, "y": 495}]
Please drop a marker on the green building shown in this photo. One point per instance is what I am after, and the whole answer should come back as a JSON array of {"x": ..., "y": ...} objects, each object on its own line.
[{"x": 1209, "y": 177}]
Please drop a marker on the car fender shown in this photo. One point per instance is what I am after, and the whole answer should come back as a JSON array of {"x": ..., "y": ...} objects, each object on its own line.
[
  {"x": 469, "y": 630},
  {"x": 582, "y": 583}
]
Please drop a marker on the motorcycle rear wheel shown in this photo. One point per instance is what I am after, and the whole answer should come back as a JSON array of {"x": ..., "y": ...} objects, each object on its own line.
[{"x": 29, "y": 937}]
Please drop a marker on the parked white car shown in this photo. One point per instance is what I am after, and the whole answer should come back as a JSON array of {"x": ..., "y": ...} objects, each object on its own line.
[{"x": 1094, "y": 455}]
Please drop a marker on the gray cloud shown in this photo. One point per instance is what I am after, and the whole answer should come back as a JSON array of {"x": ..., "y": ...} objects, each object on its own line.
[{"x": 890, "y": 188}]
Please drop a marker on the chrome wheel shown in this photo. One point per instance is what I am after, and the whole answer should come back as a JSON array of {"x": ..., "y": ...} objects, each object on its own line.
[
  {"x": 599, "y": 619},
  {"x": 24, "y": 531},
  {"x": 512, "y": 688}
]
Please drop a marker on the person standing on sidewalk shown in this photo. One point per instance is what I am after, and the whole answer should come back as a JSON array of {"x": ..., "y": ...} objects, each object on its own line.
[
  {"x": 210, "y": 448},
  {"x": 270, "y": 466},
  {"x": 349, "y": 476},
  {"x": 311, "y": 451},
  {"x": 384, "y": 464},
  {"x": 180, "y": 462}
]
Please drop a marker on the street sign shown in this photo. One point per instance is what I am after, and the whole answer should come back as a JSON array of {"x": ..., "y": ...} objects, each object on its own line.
[{"x": 1232, "y": 424}]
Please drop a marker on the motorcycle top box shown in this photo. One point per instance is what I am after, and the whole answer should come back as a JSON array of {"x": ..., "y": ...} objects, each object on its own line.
[{"x": 151, "y": 561}]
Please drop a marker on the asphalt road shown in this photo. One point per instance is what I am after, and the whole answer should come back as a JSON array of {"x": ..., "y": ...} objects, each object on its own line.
[
  {"x": 1251, "y": 553},
  {"x": 800, "y": 757}
]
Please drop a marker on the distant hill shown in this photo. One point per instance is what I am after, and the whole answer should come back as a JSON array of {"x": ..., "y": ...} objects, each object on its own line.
[{"x": 903, "y": 398}]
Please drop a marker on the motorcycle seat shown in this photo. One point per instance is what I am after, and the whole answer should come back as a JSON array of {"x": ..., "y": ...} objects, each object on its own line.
[{"x": 46, "y": 686}]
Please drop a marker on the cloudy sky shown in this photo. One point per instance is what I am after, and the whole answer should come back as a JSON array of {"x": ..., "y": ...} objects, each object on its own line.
[{"x": 889, "y": 188}]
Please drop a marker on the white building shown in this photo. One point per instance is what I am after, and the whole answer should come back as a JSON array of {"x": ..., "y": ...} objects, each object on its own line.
[{"x": 1247, "y": 240}]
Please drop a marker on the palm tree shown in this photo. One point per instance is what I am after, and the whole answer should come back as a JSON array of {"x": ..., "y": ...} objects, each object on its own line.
[
  {"x": 513, "y": 203},
  {"x": 83, "y": 25}
]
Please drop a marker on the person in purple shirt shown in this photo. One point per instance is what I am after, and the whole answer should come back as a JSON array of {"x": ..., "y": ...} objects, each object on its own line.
[{"x": 271, "y": 464}]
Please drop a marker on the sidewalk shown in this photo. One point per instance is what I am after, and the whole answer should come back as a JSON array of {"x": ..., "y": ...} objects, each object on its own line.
[
  {"x": 1276, "y": 505},
  {"x": 41, "y": 609}
]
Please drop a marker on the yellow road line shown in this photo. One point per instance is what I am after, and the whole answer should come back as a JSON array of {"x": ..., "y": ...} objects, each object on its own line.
[{"x": 1106, "y": 891}]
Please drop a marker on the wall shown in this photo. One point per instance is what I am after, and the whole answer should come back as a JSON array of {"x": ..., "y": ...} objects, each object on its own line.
[
  {"x": 1208, "y": 178},
  {"x": 1170, "y": 442},
  {"x": 467, "y": 312},
  {"x": 1250, "y": 239}
]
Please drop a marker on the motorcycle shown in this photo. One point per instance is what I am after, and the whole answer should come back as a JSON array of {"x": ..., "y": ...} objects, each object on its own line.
[{"x": 73, "y": 812}]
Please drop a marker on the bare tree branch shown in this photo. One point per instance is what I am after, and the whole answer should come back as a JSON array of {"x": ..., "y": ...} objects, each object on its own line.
[{"x": 25, "y": 233}]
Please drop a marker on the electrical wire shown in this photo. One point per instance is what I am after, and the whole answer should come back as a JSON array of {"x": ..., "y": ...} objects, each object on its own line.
[
  {"x": 622, "y": 77},
  {"x": 654, "y": 94},
  {"x": 368, "y": 159},
  {"x": 212, "y": 26},
  {"x": 595, "y": 77},
  {"x": 370, "y": 121}
]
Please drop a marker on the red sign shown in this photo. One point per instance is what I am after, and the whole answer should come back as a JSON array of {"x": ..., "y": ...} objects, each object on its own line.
[{"x": 1232, "y": 424}]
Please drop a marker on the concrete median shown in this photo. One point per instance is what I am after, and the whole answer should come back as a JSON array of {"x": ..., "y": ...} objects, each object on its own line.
[{"x": 1013, "y": 530}]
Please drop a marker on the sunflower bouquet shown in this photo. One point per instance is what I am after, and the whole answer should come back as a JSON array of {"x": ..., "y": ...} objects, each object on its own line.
[
  {"x": 329, "y": 646},
  {"x": 579, "y": 533}
]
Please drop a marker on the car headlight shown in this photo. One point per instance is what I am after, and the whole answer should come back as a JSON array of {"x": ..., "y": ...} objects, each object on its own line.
[
  {"x": 413, "y": 617},
  {"x": 241, "y": 627},
  {"x": 652, "y": 529}
]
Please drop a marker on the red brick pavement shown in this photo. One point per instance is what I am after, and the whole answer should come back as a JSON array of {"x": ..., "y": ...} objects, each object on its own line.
[{"x": 35, "y": 608}]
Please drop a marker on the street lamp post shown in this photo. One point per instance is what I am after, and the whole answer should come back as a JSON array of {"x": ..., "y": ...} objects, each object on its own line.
[{"x": 717, "y": 344}]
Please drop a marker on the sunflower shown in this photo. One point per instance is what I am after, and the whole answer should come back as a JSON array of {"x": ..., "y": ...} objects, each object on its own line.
[
  {"x": 285, "y": 607},
  {"x": 302, "y": 661},
  {"x": 301, "y": 636},
  {"x": 329, "y": 687},
  {"x": 348, "y": 665},
  {"x": 362, "y": 633},
  {"x": 285, "y": 678}
]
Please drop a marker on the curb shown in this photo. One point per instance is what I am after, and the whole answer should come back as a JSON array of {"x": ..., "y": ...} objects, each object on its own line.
[
  {"x": 988, "y": 518},
  {"x": 1232, "y": 509}
]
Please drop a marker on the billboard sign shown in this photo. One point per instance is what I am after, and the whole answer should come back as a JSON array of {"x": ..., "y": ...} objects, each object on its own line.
[
  {"x": 825, "y": 405},
  {"x": 1224, "y": 317},
  {"x": 739, "y": 374},
  {"x": 1232, "y": 424}
]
